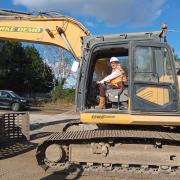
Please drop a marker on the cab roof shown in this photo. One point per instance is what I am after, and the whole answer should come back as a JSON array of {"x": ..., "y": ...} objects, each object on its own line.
[{"x": 153, "y": 36}]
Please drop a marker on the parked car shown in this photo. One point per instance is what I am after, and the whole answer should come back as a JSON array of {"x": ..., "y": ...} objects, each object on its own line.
[{"x": 10, "y": 100}]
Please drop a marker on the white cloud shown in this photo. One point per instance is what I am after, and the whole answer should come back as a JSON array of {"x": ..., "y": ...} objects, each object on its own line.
[
  {"x": 89, "y": 23},
  {"x": 112, "y": 12}
]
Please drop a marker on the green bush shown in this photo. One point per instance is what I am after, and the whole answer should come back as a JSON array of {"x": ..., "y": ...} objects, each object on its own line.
[{"x": 58, "y": 94}]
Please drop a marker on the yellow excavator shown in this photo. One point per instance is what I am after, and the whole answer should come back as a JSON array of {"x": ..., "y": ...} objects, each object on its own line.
[{"x": 144, "y": 136}]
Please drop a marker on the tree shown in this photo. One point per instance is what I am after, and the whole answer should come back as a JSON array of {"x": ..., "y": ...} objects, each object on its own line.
[
  {"x": 60, "y": 61},
  {"x": 22, "y": 69},
  {"x": 40, "y": 76},
  {"x": 11, "y": 69}
]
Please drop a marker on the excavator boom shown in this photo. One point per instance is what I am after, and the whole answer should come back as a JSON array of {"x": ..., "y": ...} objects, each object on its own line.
[{"x": 61, "y": 31}]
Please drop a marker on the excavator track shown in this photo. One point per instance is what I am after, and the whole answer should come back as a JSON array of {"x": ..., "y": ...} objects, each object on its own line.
[{"x": 114, "y": 150}]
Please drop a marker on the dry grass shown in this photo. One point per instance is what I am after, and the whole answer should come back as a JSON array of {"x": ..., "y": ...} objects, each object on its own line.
[{"x": 57, "y": 106}]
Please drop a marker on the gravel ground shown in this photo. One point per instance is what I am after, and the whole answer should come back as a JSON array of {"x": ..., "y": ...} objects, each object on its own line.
[{"x": 17, "y": 160}]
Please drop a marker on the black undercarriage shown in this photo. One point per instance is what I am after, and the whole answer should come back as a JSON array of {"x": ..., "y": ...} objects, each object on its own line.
[{"x": 113, "y": 149}]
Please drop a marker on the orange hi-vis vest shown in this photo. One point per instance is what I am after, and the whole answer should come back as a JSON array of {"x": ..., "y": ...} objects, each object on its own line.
[{"x": 117, "y": 82}]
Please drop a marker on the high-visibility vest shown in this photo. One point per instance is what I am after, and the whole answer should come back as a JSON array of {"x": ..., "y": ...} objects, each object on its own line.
[{"x": 118, "y": 82}]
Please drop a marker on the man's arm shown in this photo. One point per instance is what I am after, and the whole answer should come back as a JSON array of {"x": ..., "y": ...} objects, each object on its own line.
[{"x": 113, "y": 75}]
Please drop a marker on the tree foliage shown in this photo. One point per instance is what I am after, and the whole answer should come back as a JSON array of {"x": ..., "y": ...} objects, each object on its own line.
[
  {"x": 58, "y": 94},
  {"x": 22, "y": 69}
]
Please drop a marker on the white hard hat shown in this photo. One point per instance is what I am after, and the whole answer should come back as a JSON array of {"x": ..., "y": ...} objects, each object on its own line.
[{"x": 114, "y": 59}]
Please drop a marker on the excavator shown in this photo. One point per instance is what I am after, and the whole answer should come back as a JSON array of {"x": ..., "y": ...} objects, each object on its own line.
[{"x": 142, "y": 137}]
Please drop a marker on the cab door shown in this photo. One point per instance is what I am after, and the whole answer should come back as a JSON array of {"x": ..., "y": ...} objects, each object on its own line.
[
  {"x": 152, "y": 79},
  {"x": 80, "y": 96}
]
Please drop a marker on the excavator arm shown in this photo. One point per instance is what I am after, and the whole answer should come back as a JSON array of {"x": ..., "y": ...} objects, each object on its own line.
[{"x": 62, "y": 31}]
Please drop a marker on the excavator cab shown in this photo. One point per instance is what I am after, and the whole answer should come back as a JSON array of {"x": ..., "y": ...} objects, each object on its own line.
[{"x": 148, "y": 62}]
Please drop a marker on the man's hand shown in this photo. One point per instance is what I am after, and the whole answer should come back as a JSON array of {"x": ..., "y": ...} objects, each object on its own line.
[{"x": 98, "y": 82}]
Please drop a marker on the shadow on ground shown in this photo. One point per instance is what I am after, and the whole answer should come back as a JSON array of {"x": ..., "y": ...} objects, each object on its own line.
[
  {"x": 36, "y": 126},
  {"x": 10, "y": 149},
  {"x": 40, "y": 135},
  {"x": 35, "y": 109},
  {"x": 72, "y": 173},
  {"x": 37, "y": 135},
  {"x": 41, "y": 110}
]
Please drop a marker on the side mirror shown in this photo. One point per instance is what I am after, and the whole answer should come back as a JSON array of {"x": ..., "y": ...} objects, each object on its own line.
[{"x": 75, "y": 66}]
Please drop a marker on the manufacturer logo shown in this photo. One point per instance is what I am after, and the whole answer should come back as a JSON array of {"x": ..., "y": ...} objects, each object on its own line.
[
  {"x": 20, "y": 29},
  {"x": 102, "y": 116}
]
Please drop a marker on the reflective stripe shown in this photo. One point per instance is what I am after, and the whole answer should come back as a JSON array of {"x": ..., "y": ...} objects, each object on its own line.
[{"x": 118, "y": 81}]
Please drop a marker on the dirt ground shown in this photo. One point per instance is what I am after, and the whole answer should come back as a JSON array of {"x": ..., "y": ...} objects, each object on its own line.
[{"x": 17, "y": 160}]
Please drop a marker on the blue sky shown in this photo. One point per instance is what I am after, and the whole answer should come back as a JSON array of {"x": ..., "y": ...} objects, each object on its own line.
[{"x": 112, "y": 16}]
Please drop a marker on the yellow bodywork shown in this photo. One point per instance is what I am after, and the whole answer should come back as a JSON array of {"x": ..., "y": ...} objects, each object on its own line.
[
  {"x": 156, "y": 95},
  {"x": 44, "y": 30},
  {"x": 113, "y": 118}
]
